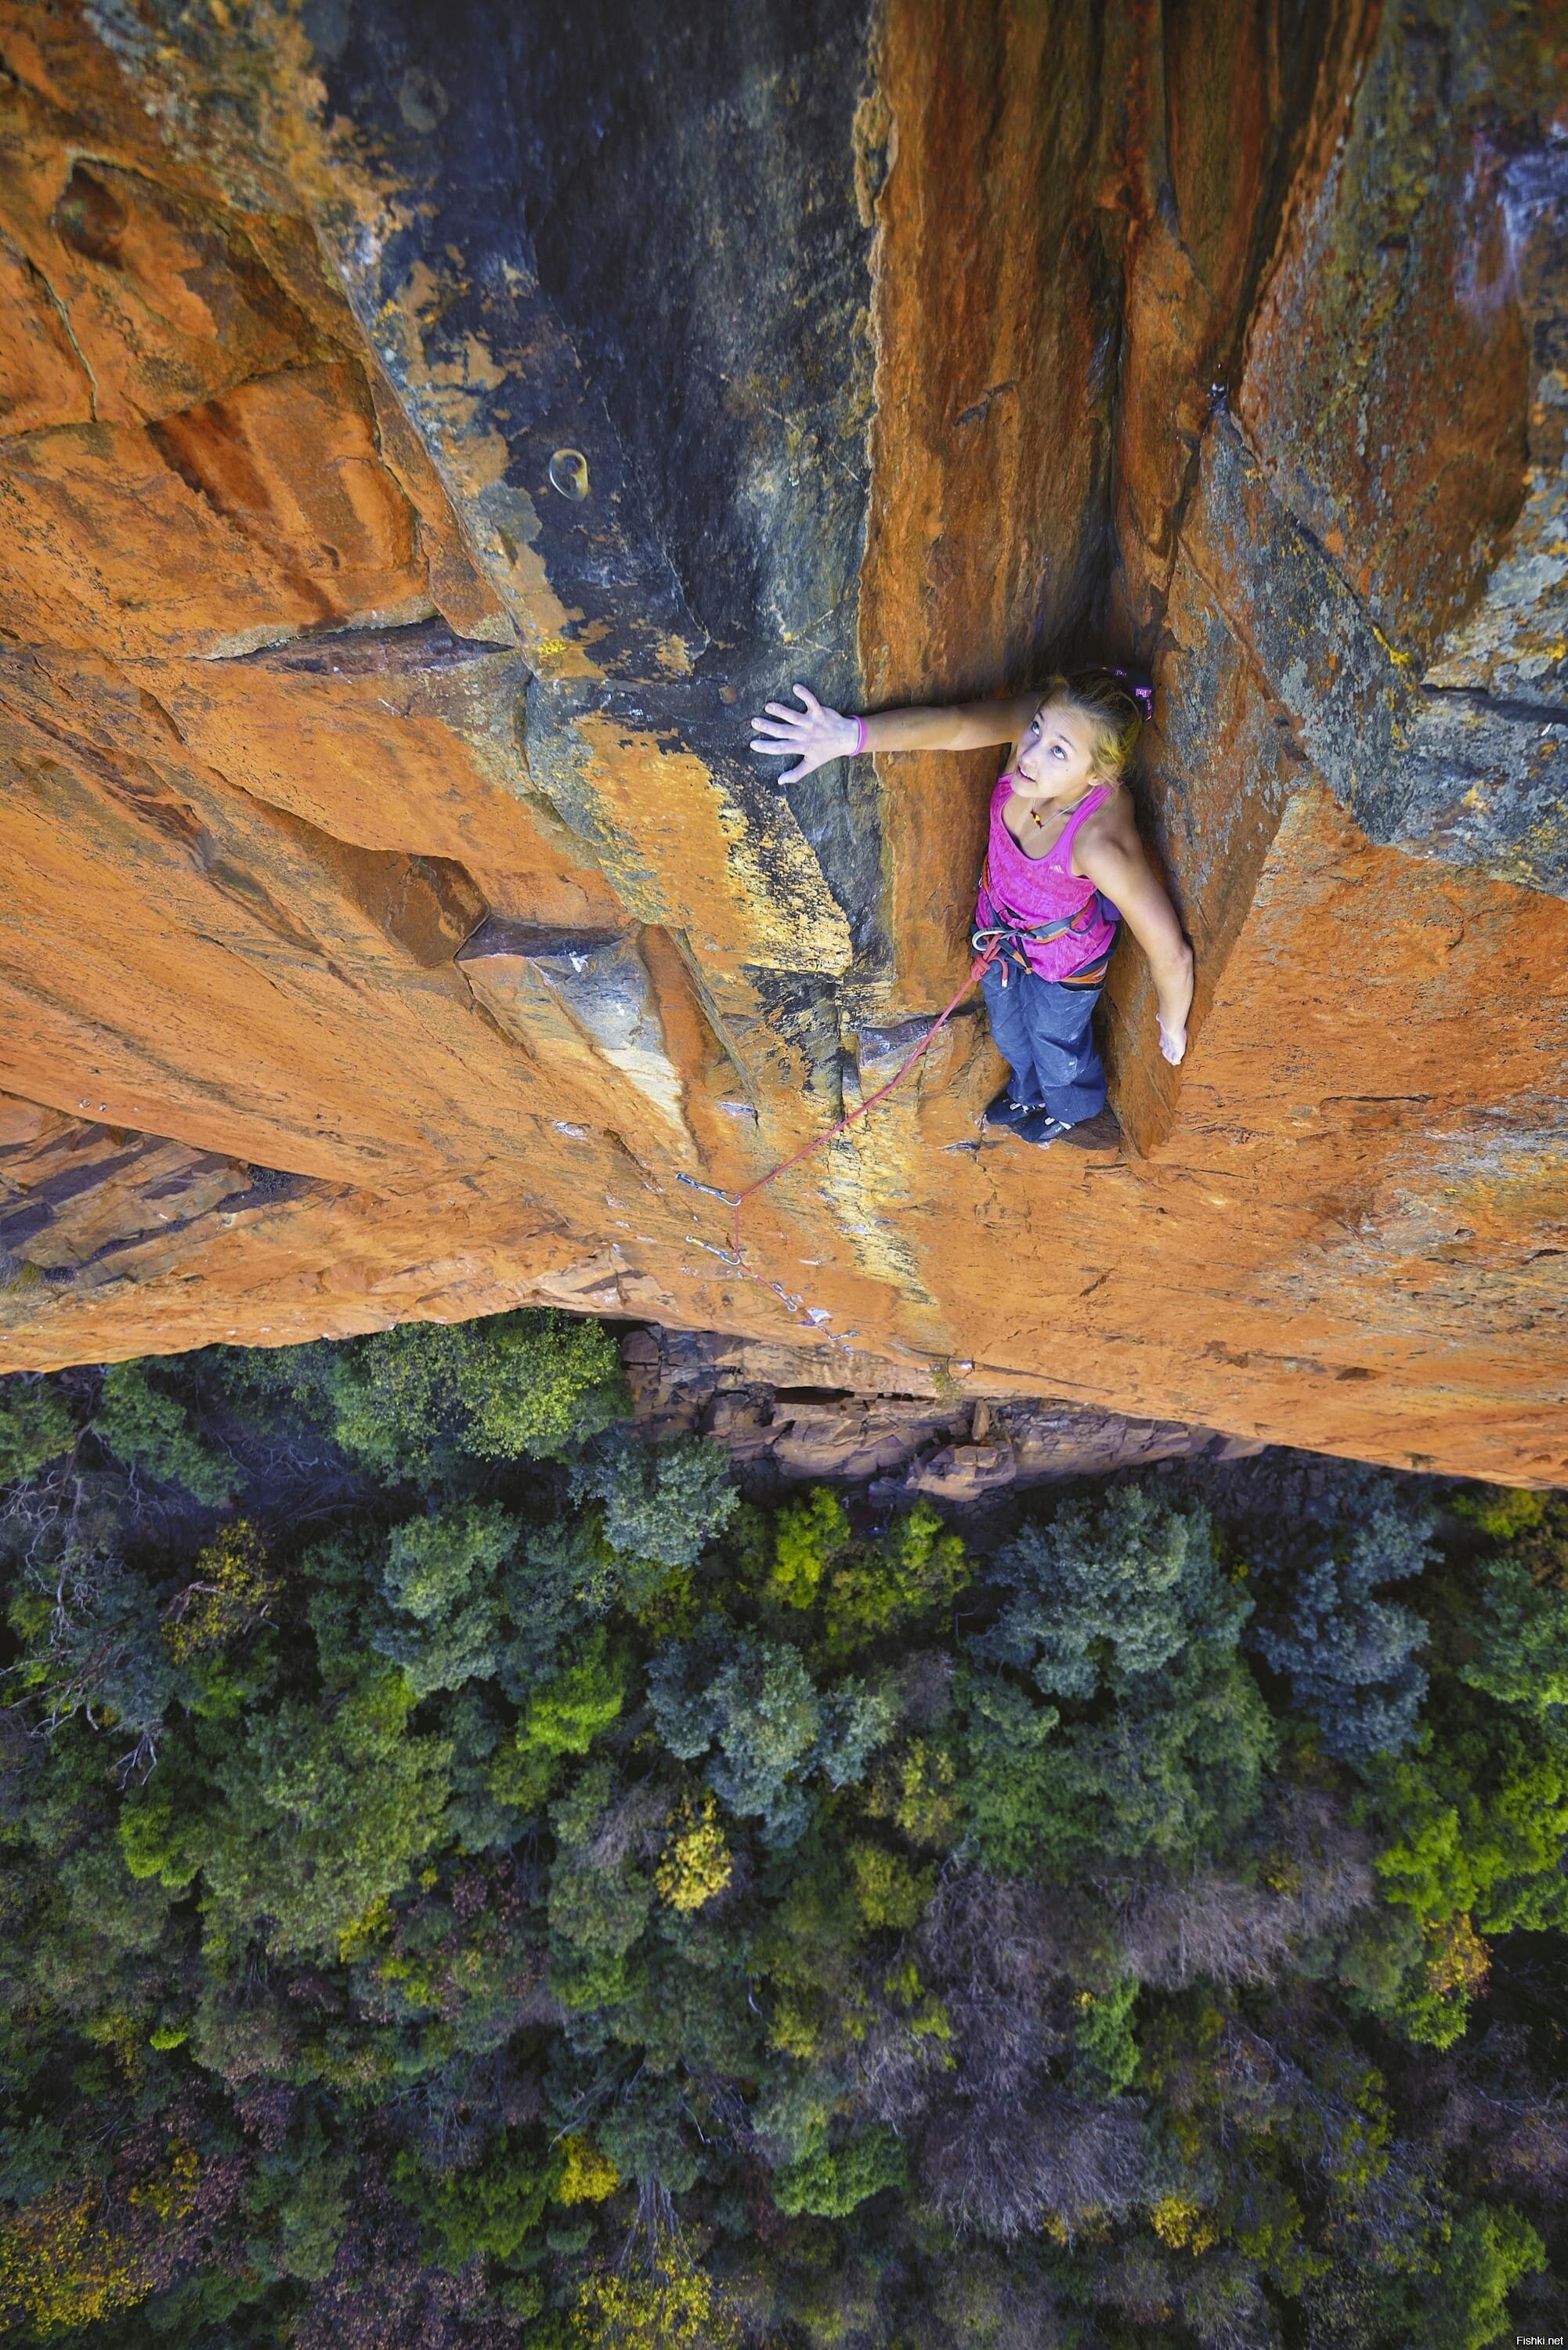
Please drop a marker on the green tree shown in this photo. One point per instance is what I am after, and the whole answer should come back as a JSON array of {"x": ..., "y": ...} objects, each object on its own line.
[
  {"x": 1107, "y": 1595},
  {"x": 324, "y": 1813},
  {"x": 1106, "y": 2054},
  {"x": 831, "y": 2183},
  {"x": 754, "y": 1700},
  {"x": 1348, "y": 1654},
  {"x": 36, "y": 1427},
  {"x": 441, "y": 1569},
  {"x": 1520, "y": 1628},
  {"x": 916, "y": 1566},
  {"x": 1485, "y": 2255},
  {"x": 151, "y": 1430},
  {"x": 1476, "y": 1828},
  {"x": 489, "y": 2209},
  {"x": 808, "y": 1537},
  {"x": 466, "y": 1855},
  {"x": 662, "y": 1504},
  {"x": 564, "y": 1715},
  {"x": 94, "y": 1648},
  {"x": 1160, "y": 1742},
  {"x": 529, "y": 1385}
]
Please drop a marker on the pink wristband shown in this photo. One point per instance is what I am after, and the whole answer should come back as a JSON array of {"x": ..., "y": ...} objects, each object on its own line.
[{"x": 860, "y": 736}]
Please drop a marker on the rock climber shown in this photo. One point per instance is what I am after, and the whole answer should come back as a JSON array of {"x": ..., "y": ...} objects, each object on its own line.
[{"x": 1063, "y": 868}]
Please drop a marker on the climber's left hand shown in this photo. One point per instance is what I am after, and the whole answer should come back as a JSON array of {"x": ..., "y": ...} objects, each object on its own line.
[{"x": 810, "y": 736}]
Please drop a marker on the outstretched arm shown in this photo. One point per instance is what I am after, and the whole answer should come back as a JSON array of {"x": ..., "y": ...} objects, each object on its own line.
[
  {"x": 1115, "y": 862},
  {"x": 815, "y": 734}
]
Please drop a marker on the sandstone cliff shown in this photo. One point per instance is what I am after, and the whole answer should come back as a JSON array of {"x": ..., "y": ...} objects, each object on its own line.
[{"x": 429, "y": 433}]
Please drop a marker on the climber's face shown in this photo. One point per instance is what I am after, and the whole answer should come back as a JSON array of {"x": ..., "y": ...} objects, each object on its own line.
[{"x": 1056, "y": 756}]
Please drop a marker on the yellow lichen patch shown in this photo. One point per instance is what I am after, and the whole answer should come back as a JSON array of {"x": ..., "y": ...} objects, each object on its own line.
[
  {"x": 743, "y": 881},
  {"x": 507, "y": 527}
]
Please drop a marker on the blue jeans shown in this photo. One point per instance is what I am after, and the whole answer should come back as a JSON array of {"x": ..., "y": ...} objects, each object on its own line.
[{"x": 1044, "y": 1032}]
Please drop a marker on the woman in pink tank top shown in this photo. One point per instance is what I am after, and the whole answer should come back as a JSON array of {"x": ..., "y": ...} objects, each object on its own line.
[{"x": 1063, "y": 868}]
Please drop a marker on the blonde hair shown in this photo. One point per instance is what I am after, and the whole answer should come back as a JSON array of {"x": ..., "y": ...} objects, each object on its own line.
[{"x": 1111, "y": 707}]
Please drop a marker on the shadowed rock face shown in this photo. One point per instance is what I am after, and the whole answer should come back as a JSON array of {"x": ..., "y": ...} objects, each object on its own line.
[
  {"x": 425, "y": 435},
  {"x": 774, "y": 1408}
]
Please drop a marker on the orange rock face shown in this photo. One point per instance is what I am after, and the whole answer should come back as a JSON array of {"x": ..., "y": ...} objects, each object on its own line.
[{"x": 420, "y": 453}]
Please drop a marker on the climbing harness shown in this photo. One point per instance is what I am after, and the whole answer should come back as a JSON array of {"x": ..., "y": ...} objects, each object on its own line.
[
  {"x": 1001, "y": 939},
  {"x": 1013, "y": 935}
]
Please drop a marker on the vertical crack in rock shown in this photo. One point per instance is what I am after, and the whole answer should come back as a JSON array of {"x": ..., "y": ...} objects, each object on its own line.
[{"x": 664, "y": 301}]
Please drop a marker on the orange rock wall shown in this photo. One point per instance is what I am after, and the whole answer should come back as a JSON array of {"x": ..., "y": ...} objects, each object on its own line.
[{"x": 395, "y": 923}]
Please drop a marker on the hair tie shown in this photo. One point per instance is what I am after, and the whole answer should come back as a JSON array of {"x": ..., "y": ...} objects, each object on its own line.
[
  {"x": 859, "y": 736},
  {"x": 1141, "y": 690}
]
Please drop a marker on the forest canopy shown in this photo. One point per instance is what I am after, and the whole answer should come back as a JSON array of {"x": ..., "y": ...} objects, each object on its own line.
[{"x": 472, "y": 1879}]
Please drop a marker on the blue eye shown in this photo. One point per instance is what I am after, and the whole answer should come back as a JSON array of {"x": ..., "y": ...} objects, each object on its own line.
[{"x": 1057, "y": 752}]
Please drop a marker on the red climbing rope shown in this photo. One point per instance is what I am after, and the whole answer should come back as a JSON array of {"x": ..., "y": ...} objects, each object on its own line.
[{"x": 978, "y": 970}]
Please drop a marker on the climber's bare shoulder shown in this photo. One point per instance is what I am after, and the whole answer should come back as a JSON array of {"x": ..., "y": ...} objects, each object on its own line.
[{"x": 1108, "y": 837}]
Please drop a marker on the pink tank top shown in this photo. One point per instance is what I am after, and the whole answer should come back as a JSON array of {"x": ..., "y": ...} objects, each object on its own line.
[{"x": 1045, "y": 890}]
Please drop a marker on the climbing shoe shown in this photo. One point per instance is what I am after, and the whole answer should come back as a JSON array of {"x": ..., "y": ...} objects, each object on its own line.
[
  {"x": 1008, "y": 1115},
  {"x": 1041, "y": 1129}
]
